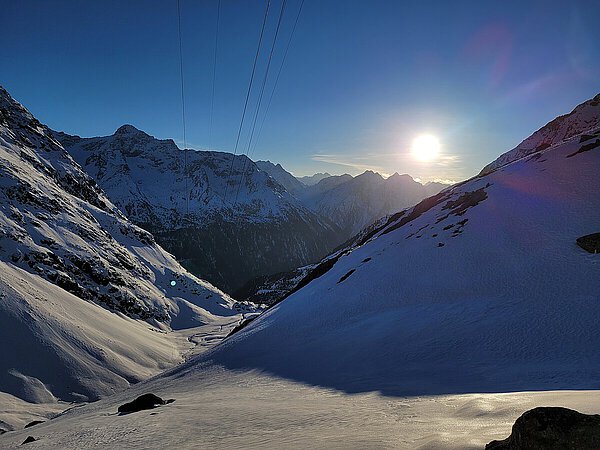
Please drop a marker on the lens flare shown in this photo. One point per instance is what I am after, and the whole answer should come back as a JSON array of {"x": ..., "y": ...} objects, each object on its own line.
[{"x": 425, "y": 147}]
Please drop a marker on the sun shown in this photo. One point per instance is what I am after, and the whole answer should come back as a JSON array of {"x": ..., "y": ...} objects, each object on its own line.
[{"x": 425, "y": 147}]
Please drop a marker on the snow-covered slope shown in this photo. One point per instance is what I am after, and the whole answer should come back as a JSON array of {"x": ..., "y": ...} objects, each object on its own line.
[
  {"x": 480, "y": 288},
  {"x": 67, "y": 258},
  {"x": 64, "y": 348},
  {"x": 283, "y": 177},
  {"x": 225, "y": 241},
  {"x": 584, "y": 118},
  {"x": 220, "y": 409}
]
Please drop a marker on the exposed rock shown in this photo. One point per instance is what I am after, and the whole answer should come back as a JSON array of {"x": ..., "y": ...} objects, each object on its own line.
[
  {"x": 343, "y": 278},
  {"x": 590, "y": 243},
  {"x": 146, "y": 401},
  {"x": 547, "y": 428},
  {"x": 586, "y": 148},
  {"x": 33, "y": 423}
]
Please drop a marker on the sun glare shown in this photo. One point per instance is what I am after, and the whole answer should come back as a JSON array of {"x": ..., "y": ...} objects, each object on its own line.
[{"x": 425, "y": 147}]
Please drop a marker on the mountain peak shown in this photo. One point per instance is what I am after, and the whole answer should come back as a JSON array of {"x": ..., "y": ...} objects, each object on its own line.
[
  {"x": 397, "y": 176},
  {"x": 370, "y": 175},
  {"x": 127, "y": 129}
]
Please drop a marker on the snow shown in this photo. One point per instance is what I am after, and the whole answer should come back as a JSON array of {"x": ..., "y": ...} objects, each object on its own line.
[
  {"x": 508, "y": 303},
  {"x": 124, "y": 163},
  {"x": 584, "y": 118},
  {"x": 63, "y": 347},
  {"x": 436, "y": 329},
  {"x": 217, "y": 408},
  {"x": 86, "y": 301},
  {"x": 402, "y": 343},
  {"x": 85, "y": 350}
]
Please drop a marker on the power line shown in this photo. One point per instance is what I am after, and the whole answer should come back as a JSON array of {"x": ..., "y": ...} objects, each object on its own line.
[
  {"x": 277, "y": 79},
  {"x": 237, "y": 141},
  {"x": 212, "y": 98},
  {"x": 262, "y": 90},
  {"x": 185, "y": 150}
]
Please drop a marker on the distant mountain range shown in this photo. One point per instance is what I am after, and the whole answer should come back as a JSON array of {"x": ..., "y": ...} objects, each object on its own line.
[
  {"x": 313, "y": 179},
  {"x": 353, "y": 203},
  {"x": 229, "y": 219}
]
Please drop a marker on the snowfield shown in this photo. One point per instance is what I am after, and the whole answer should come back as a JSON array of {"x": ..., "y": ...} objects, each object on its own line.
[
  {"x": 218, "y": 408},
  {"x": 437, "y": 328}
]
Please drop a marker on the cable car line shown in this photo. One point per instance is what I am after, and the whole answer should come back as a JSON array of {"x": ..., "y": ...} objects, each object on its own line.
[
  {"x": 276, "y": 80},
  {"x": 212, "y": 98},
  {"x": 237, "y": 141},
  {"x": 185, "y": 150},
  {"x": 260, "y": 97}
]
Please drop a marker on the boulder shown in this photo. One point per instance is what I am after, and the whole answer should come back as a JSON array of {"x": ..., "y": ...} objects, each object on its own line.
[
  {"x": 590, "y": 243},
  {"x": 547, "y": 428},
  {"x": 146, "y": 401}
]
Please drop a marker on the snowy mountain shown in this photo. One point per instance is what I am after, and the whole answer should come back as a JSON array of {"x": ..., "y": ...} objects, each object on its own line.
[
  {"x": 356, "y": 202},
  {"x": 325, "y": 184},
  {"x": 283, "y": 177},
  {"x": 585, "y": 117},
  {"x": 226, "y": 221},
  {"x": 480, "y": 288},
  {"x": 313, "y": 179},
  {"x": 86, "y": 297},
  {"x": 353, "y": 203}
]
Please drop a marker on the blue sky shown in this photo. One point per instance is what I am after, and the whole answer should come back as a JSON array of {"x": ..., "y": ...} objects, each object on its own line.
[{"x": 362, "y": 78}]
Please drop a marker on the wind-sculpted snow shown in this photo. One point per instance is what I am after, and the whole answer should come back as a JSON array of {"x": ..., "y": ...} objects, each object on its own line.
[
  {"x": 86, "y": 296},
  {"x": 481, "y": 288},
  {"x": 237, "y": 222}
]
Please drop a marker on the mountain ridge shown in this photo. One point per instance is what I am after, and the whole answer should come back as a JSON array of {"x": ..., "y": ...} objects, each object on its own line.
[
  {"x": 260, "y": 227},
  {"x": 89, "y": 300}
]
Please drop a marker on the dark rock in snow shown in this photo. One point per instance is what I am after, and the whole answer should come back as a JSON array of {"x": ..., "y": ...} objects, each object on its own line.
[
  {"x": 146, "y": 401},
  {"x": 243, "y": 324},
  {"x": 35, "y": 422},
  {"x": 548, "y": 428},
  {"x": 590, "y": 243},
  {"x": 346, "y": 276},
  {"x": 586, "y": 148},
  {"x": 28, "y": 440}
]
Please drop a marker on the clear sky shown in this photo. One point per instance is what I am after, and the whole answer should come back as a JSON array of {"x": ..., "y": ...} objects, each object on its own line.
[{"x": 362, "y": 78}]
